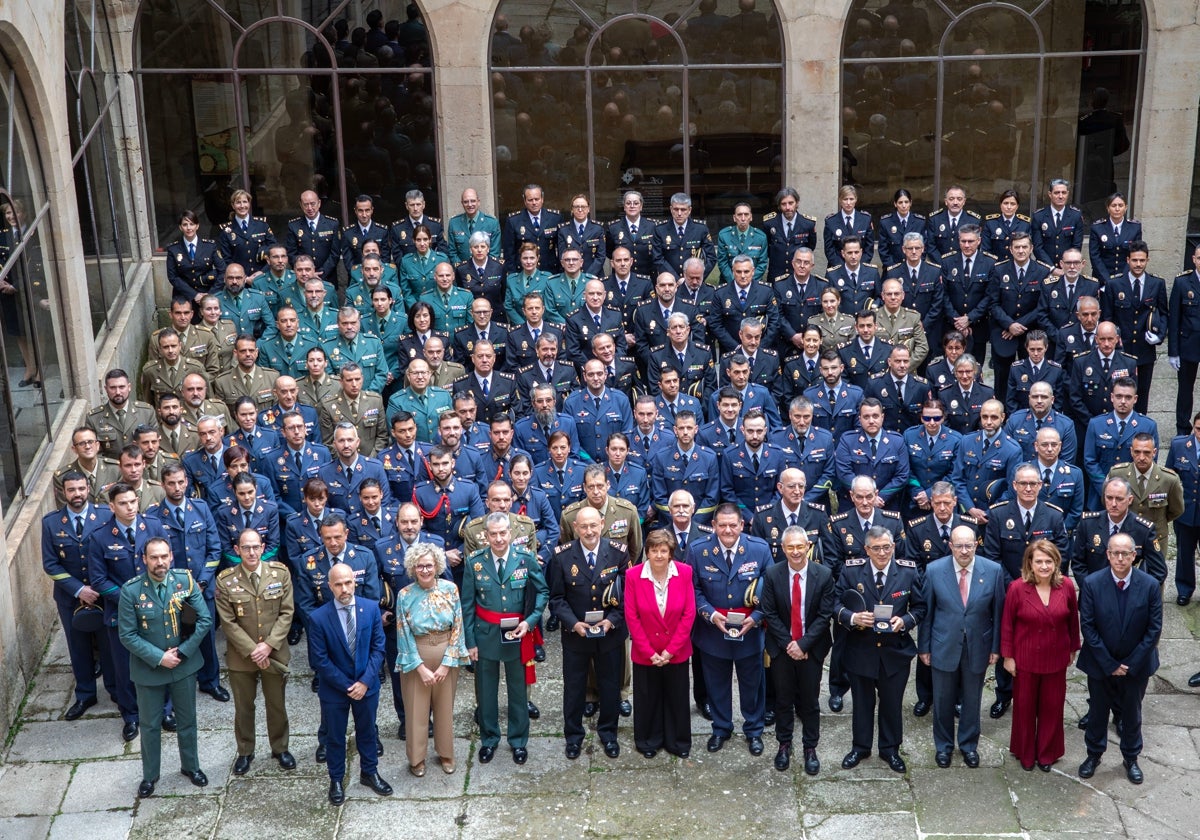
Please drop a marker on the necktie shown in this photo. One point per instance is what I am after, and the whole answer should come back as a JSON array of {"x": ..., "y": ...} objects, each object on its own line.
[
  {"x": 1057, "y": 219},
  {"x": 1020, "y": 275},
  {"x": 160, "y": 591},
  {"x": 535, "y": 332},
  {"x": 1116, "y": 529},
  {"x": 1120, "y": 585},
  {"x": 879, "y": 581},
  {"x": 484, "y": 387},
  {"x": 596, "y": 318},
  {"x": 375, "y": 523},
  {"x": 351, "y": 641},
  {"x": 633, "y": 231},
  {"x": 953, "y": 225},
  {"x": 591, "y": 558},
  {"x": 1088, "y": 338},
  {"x": 929, "y": 443},
  {"x": 79, "y": 526},
  {"x": 596, "y": 403},
  {"x": 1104, "y": 363},
  {"x": 682, "y": 362},
  {"x": 445, "y": 301},
  {"x": 962, "y": 585},
  {"x": 967, "y": 268},
  {"x": 1117, "y": 232},
  {"x": 853, "y": 278},
  {"x": 1142, "y": 485},
  {"x": 1070, "y": 295},
  {"x": 832, "y": 397},
  {"x": 611, "y": 371},
  {"x": 483, "y": 336},
  {"x": 850, "y": 224},
  {"x": 624, "y": 287},
  {"x": 129, "y": 535},
  {"x": 671, "y": 408},
  {"x": 812, "y": 366},
  {"x": 1137, "y": 288},
  {"x": 1008, "y": 224},
  {"x": 1046, "y": 476},
  {"x": 1121, "y": 429},
  {"x": 754, "y": 461},
  {"x": 192, "y": 251},
  {"x": 681, "y": 234},
  {"x": 536, "y": 224},
  {"x": 1028, "y": 522},
  {"x": 178, "y": 519},
  {"x": 787, "y": 230},
  {"x": 874, "y": 447},
  {"x": 212, "y": 463},
  {"x": 562, "y": 478},
  {"x": 645, "y": 443},
  {"x": 173, "y": 437},
  {"x": 581, "y": 231},
  {"x": 732, "y": 436},
  {"x": 246, "y": 518},
  {"x": 797, "y": 609},
  {"x": 800, "y": 441},
  {"x": 913, "y": 276},
  {"x": 470, "y": 227},
  {"x": 366, "y": 233},
  {"x": 742, "y": 297},
  {"x": 900, "y": 389},
  {"x": 792, "y": 520},
  {"x": 409, "y": 457},
  {"x": 946, "y": 534},
  {"x": 298, "y": 458},
  {"x": 683, "y": 541},
  {"x": 729, "y": 557},
  {"x": 666, "y": 316}
]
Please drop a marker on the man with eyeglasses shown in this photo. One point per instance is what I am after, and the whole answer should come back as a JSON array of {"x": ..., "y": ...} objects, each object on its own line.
[
  {"x": 1011, "y": 526},
  {"x": 878, "y": 652},
  {"x": 1062, "y": 291},
  {"x": 959, "y": 639},
  {"x": 1110, "y": 436},
  {"x": 99, "y": 471},
  {"x": 1023, "y": 426},
  {"x": 1096, "y": 526},
  {"x": 1062, "y": 481},
  {"x": 1120, "y": 619}
]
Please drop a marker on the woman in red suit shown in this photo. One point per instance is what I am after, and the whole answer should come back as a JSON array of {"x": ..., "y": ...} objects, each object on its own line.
[
  {"x": 660, "y": 606},
  {"x": 1039, "y": 638}
]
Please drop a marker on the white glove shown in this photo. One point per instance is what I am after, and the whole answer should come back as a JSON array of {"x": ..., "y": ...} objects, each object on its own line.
[
  {"x": 1173, "y": 361},
  {"x": 1152, "y": 337}
]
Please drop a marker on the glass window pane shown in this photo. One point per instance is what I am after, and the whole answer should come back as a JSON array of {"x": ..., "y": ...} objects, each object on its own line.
[{"x": 893, "y": 28}]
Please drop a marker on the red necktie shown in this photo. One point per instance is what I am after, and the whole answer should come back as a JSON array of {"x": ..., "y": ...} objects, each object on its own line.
[
  {"x": 962, "y": 585},
  {"x": 797, "y": 609}
]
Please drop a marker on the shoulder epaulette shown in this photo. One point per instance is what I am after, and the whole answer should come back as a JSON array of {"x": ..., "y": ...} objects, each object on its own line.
[
  {"x": 617, "y": 544},
  {"x": 838, "y": 517},
  {"x": 989, "y": 254},
  {"x": 1100, "y": 221},
  {"x": 517, "y": 212},
  {"x": 1092, "y": 514},
  {"x": 770, "y": 216},
  {"x": 816, "y": 506},
  {"x": 855, "y": 561},
  {"x": 917, "y": 521},
  {"x": 560, "y": 548},
  {"x": 901, "y": 561},
  {"x": 1143, "y": 520},
  {"x": 995, "y": 505},
  {"x": 806, "y": 216},
  {"x": 891, "y": 514},
  {"x": 504, "y": 375},
  {"x": 575, "y": 505},
  {"x": 966, "y": 517},
  {"x": 1044, "y": 264},
  {"x": 878, "y": 375},
  {"x": 991, "y": 216},
  {"x": 945, "y": 255},
  {"x": 1023, "y": 217},
  {"x": 297, "y": 219},
  {"x": 232, "y": 570},
  {"x": 831, "y": 215},
  {"x": 1055, "y": 507},
  {"x": 1049, "y": 280}
]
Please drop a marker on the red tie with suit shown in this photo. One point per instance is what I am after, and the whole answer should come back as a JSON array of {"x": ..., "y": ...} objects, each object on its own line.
[{"x": 797, "y": 609}]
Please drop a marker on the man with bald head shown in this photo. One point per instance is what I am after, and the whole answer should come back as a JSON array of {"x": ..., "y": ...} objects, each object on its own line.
[
  {"x": 472, "y": 219},
  {"x": 590, "y": 320},
  {"x": 287, "y": 398},
  {"x": 316, "y": 235},
  {"x": 1023, "y": 426},
  {"x": 1091, "y": 376}
]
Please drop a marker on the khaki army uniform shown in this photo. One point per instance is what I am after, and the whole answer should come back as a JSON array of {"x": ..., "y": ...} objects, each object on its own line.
[
  {"x": 159, "y": 378},
  {"x": 370, "y": 419},
  {"x": 903, "y": 328},
  {"x": 105, "y": 474},
  {"x": 191, "y": 418},
  {"x": 522, "y": 529},
  {"x": 317, "y": 394},
  {"x": 252, "y": 613},
  {"x": 185, "y": 441},
  {"x": 154, "y": 468},
  {"x": 447, "y": 374},
  {"x": 1160, "y": 501},
  {"x": 622, "y": 524},
  {"x": 258, "y": 384},
  {"x": 115, "y": 433},
  {"x": 199, "y": 344}
]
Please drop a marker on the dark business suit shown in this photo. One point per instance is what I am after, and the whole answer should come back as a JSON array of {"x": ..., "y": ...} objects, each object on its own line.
[
  {"x": 330, "y": 657},
  {"x": 1119, "y": 627},
  {"x": 798, "y": 681},
  {"x": 960, "y": 640}
]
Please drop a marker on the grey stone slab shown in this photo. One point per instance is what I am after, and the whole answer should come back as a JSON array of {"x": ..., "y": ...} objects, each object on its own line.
[
  {"x": 1170, "y": 746},
  {"x": 24, "y": 828},
  {"x": 53, "y": 692},
  {"x": 103, "y": 785},
  {"x": 547, "y": 771},
  {"x": 948, "y": 801},
  {"x": 844, "y": 795},
  {"x": 94, "y": 825},
  {"x": 1057, "y": 801},
  {"x": 32, "y": 789},
  {"x": 276, "y": 808},
  {"x": 1139, "y": 824},
  {"x": 399, "y": 818},
  {"x": 840, "y": 826},
  {"x": 87, "y": 737},
  {"x": 537, "y": 817},
  {"x": 180, "y": 818},
  {"x": 435, "y": 784}
]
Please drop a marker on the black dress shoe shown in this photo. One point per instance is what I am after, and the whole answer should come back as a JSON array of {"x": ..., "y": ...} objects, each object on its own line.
[
  {"x": 1045, "y": 768},
  {"x": 218, "y": 692},
  {"x": 612, "y": 749},
  {"x": 942, "y": 759},
  {"x": 78, "y": 708},
  {"x": 337, "y": 795},
  {"x": 294, "y": 634},
  {"x": 1183, "y": 600},
  {"x": 376, "y": 783},
  {"x": 572, "y": 751},
  {"x": 1193, "y": 682},
  {"x": 590, "y": 709},
  {"x": 539, "y": 653},
  {"x": 648, "y": 753},
  {"x": 486, "y": 754},
  {"x": 520, "y": 755},
  {"x": 971, "y": 758},
  {"x": 320, "y": 754},
  {"x": 1088, "y": 768},
  {"x": 169, "y": 724},
  {"x": 242, "y": 766},
  {"x": 552, "y": 623},
  {"x": 921, "y": 708},
  {"x": 755, "y": 745},
  {"x": 706, "y": 711},
  {"x": 129, "y": 731},
  {"x": 1083, "y": 721},
  {"x": 835, "y": 702},
  {"x": 534, "y": 711},
  {"x": 626, "y": 708},
  {"x": 999, "y": 708},
  {"x": 715, "y": 742},
  {"x": 286, "y": 760},
  {"x": 783, "y": 757},
  {"x": 145, "y": 789},
  {"x": 197, "y": 777},
  {"x": 1133, "y": 772},
  {"x": 896, "y": 762},
  {"x": 316, "y": 683},
  {"x": 812, "y": 764},
  {"x": 853, "y": 758},
  {"x": 401, "y": 734},
  {"x": 769, "y": 718},
  {"x": 470, "y": 667}
]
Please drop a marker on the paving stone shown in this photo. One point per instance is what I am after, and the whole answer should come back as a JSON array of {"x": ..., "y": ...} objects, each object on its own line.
[
  {"x": 840, "y": 826},
  {"x": 94, "y": 825},
  {"x": 24, "y": 828},
  {"x": 1138, "y": 824},
  {"x": 435, "y": 784},
  {"x": 399, "y": 818},
  {"x": 1042, "y": 800},
  {"x": 547, "y": 771},
  {"x": 103, "y": 785},
  {"x": 85, "y": 738},
  {"x": 947, "y": 801},
  {"x": 176, "y": 817},
  {"x": 845, "y": 795},
  {"x": 276, "y": 808},
  {"x": 537, "y": 817},
  {"x": 32, "y": 789}
]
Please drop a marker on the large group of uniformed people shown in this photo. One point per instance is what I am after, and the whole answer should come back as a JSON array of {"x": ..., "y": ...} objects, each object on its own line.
[{"x": 425, "y": 446}]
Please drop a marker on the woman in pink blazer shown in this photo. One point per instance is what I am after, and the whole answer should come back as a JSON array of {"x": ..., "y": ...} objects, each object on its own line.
[
  {"x": 660, "y": 606},
  {"x": 1039, "y": 637}
]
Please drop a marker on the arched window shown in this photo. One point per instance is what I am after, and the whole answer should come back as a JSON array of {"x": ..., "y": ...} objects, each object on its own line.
[
  {"x": 31, "y": 377},
  {"x": 991, "y": 96},
  {"x": 276, "y": 98},
  {"x": 602, "y": 97}
]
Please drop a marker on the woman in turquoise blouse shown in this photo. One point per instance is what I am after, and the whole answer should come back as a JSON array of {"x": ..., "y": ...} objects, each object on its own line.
[
  {"x": 416, "y": 269},
  {"x": 429, "y": 636}
]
